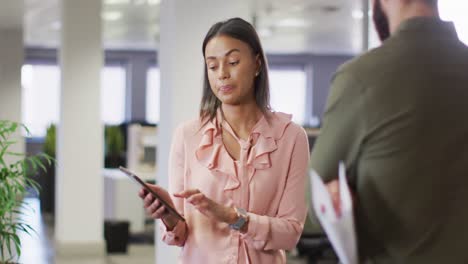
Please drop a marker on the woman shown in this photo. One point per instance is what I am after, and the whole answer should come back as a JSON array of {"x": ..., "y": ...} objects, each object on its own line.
[{"x": 237, "y": 172}]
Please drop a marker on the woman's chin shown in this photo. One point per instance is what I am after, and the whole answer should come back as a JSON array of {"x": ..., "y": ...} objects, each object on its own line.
[
  {"x": 226, "y": 98},
  {"x": 229, "y": 101}
]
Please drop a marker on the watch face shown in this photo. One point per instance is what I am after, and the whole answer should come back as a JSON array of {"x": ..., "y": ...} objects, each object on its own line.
[
  {"x": 239, "y": 224},
  {"x": 241, "y": 221}
]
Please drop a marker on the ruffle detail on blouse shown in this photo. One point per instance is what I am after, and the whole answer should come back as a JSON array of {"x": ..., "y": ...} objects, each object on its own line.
[{"x": 212, "y": 154}]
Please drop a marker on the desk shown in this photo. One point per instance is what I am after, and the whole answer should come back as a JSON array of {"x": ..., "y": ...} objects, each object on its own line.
[{"x": 121, "y": 200}]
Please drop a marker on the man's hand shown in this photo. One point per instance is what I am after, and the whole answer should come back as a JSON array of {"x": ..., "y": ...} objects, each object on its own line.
[{"x": 333, "y": 188}]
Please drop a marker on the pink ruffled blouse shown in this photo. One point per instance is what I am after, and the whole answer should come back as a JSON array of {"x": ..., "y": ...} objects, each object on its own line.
[{"x": 268, "y": 181}]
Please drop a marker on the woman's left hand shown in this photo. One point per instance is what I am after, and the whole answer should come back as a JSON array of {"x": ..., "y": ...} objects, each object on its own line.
[{"x": 208, "y": 207}]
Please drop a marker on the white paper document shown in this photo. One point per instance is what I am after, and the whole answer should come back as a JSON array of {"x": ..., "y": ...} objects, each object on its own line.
[{"x": 340, "y": 229}]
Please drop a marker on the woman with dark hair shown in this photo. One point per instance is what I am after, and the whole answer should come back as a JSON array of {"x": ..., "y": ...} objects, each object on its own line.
[{"x": 237, "y": 173}]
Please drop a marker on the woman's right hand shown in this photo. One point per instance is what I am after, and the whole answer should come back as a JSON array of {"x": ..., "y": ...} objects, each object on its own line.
[{"x": 155, "y": 209}]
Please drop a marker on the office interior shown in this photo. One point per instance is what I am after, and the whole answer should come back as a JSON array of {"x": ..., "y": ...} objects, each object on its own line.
[{"x": 102, "y": 84}]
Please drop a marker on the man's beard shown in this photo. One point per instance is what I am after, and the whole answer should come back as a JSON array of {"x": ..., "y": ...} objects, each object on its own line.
[{"x": 380, "y": 21}]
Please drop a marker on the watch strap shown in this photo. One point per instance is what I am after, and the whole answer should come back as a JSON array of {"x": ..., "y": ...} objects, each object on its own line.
[{"x": 242, "y": 219}]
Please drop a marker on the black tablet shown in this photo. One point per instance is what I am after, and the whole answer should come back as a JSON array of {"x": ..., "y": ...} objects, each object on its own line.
[{"x": 140, "y": 182}]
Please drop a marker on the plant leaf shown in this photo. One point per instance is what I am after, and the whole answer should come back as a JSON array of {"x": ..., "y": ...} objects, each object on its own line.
[
  {"x": 15, "y": 154},
  {"x": 17, "y": 244},
  {"x": 8, "y": 243},
  {"x": 39, "y": 163}
]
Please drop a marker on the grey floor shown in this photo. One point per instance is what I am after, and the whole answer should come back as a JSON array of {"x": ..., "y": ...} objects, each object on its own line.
[{"x": 39, "y": 248}]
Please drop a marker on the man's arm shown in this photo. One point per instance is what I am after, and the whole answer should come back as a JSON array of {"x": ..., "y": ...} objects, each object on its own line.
[{"x": 343, "y": 127}]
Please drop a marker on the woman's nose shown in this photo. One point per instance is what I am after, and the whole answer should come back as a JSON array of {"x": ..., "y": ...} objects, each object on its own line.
[{"x": 223, "y": 73}]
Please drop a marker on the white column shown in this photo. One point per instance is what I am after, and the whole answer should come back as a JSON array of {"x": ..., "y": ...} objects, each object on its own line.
[
  {"x": 11, "y": 60},
  {"x": 79, "y": 188},
  {"x": 365, "y": 25},
  {"x": 184, "y": 25}
]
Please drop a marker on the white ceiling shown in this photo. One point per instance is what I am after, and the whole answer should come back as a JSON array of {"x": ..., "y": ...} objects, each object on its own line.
[
  {"x": 285, "y": 26},
  {"x": 315, "y": 26}
]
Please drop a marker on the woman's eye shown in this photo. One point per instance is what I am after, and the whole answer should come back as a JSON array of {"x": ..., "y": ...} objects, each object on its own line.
[
  {"x": 212, "y": 67},
  {"x": 233, "y": 63}
]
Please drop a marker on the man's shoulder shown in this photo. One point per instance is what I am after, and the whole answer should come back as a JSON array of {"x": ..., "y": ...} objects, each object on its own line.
[
  {"x": 364, "y": 64},
  {"x": 354, "y": 78}
]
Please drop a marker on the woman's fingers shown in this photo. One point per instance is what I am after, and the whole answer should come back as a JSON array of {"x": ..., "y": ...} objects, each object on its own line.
[
  {"x": 155, "y": 205},
  {"x": 142, "y": 193},
  {"x": 186, "y": 193},
  {"x": 151, "y": 203},
  {"x": 156, "y": 209},
  {"x": 196, "y": 198},
  {"x": 148, "y": 200},
  {"x": 159, "y": 213},
  {"x": 203, "y": 204}
]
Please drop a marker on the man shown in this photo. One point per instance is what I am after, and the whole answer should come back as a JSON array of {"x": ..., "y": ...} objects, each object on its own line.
[{"x": 397, "y": 116}]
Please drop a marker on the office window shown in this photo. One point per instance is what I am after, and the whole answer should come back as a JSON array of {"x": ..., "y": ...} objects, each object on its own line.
[
  {"x": 456, "y": 11},
  {"x": 40, "y": 97},
  {"x": 113, "y": 83},
  {"x": 288, "y": 92},
  {"x": 152, "y": 95}
]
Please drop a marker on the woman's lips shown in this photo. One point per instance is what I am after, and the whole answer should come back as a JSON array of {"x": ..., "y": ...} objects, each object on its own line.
[{"x": 226, "y": 88}]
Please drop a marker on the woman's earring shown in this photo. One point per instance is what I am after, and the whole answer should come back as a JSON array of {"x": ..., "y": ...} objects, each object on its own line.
[{"x": 257, "y": 73}]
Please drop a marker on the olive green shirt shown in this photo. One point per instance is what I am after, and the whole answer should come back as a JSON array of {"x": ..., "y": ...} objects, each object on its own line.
[{"x": 398, "y": 117}]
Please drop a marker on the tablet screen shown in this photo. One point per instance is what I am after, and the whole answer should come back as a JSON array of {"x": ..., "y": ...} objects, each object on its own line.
[{"x": 141, "y": 183}]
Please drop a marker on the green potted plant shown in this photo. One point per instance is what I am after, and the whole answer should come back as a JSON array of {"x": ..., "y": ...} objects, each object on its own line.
[
  {"x": 47, "y": 179},
  {"x": 15, "y": 181},
  {"x": 114, "y": 147},
  {"x": 49, "y": 142}
]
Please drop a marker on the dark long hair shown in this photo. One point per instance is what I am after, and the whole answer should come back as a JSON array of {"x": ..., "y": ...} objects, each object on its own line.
[{"x": 242, "y": 30}]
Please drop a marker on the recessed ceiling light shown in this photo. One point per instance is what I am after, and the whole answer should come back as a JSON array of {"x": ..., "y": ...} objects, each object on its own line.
[
  {"x": 56, "y": 25},
  {"x": 292, "y": 22},
  {"x": 154, "y": 2},
  {"x": 357, "y": 14},
  {"x": 112, "y": 15},
  {"x": 117, "y": 2}
]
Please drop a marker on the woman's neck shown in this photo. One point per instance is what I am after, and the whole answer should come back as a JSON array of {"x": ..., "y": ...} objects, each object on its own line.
[{"x": 242, "y": 118}]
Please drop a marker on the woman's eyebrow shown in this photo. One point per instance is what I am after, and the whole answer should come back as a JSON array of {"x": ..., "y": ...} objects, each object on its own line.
[{"x": 225, "y": 55}]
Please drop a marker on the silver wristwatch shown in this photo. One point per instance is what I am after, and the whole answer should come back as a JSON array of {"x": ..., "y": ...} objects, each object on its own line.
[{"x": 243, "y": 218}]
